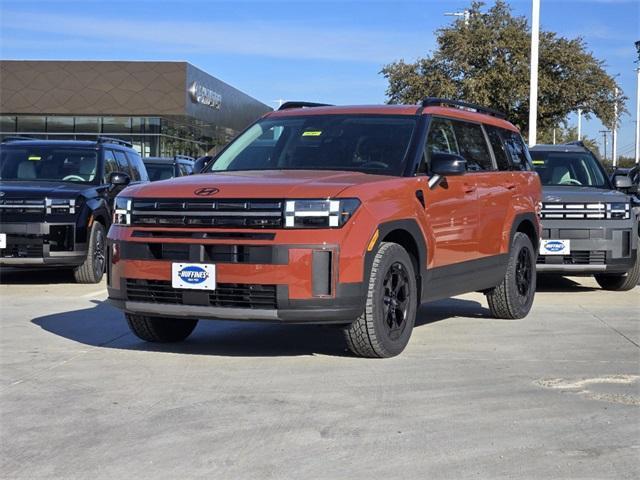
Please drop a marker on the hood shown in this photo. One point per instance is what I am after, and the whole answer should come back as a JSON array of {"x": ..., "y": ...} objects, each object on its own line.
[
  {"x": 256, "y": 184},
  {"x": 554, "y": 194},
  {"x": 39, "y": 189}
]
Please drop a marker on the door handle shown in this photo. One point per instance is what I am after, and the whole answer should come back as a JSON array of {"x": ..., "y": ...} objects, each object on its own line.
[
  {"x": 511, "y": 186},
  {"x": 469, "y": 188}
]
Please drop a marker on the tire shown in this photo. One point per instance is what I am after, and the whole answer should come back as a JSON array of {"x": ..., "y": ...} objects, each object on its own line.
[
  {"x": 514, "y": 296},
  {"x": 92, "y": 270},
  {"x": 380, "y": 332},
  {"x": 160, "y": 329},
  {"x": 622, "y": 282}
]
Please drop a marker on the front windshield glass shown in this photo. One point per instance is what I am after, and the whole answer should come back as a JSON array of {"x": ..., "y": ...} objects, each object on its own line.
[
  {"x": 363, "y": 143},
  {"x": 50, "y": 163},
  {"x": 569, "y": 169}
]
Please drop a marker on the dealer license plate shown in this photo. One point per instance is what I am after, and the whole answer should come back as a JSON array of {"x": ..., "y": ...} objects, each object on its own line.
[
  {"x": 555, "y": 247},
  {"x": 196, "y": 276}
]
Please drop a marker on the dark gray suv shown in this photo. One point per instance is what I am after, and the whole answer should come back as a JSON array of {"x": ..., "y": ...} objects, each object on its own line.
[{"x": 589, "y": 228}]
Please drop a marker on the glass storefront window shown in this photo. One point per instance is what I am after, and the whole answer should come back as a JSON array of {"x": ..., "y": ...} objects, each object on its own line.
[
  {"x": 7, "y": 124},
  {"x": 87, "y": 124},
  {"x": 60, "y": 124},
  {"x": 30, "y": 124},
  {"x": 116, "y": 124}
]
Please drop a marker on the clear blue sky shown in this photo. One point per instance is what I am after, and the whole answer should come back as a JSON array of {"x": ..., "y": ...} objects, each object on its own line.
[{"x": 321, "y": 50}]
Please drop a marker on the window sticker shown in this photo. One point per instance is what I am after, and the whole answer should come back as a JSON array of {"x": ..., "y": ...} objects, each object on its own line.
[
  {"x": 538, "y": 162},
  {"x": 34, "y": 158},
  {"x": 312, "y": 133}
]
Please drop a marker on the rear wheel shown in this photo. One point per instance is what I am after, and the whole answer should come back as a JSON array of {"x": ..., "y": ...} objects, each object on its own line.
[
  {"x": 621, "y": 282},
  {"x": 514, "y": 296},
  {"x": 384, "y": 329},
  {"x": 160, "y": 329},
  {"x": 92, "y": 269}
]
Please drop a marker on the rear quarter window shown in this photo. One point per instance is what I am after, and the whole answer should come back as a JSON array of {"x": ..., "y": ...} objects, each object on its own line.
[{"x": 517, "y": 150}]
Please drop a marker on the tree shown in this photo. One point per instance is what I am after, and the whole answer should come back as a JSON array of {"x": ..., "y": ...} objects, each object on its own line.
[{"x": 487, "y": 61}]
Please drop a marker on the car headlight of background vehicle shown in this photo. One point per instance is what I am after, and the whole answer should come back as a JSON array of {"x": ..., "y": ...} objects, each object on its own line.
[
  {"x": 320, "y": 213},
  {"x": 122, "y": 211}
]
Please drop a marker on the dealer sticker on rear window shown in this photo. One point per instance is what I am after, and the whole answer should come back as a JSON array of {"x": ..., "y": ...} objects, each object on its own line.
[{"x": 197, "y": 276}]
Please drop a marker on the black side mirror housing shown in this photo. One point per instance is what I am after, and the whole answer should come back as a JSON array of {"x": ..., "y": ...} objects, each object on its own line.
[
  {"x": 447, "y": 164},
  {"x": 119, "y": 180},
  {"x": 622, "y": 182}
]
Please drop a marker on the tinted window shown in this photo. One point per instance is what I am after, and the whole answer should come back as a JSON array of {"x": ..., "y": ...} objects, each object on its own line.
[
  {"x": 137, "y": 167},
  {"x": 186, "y": 169},
  {"x": 499, "y": 151},
  {"x": 110, "y": 165},
  {"x": 473, "y": 146},
  {"x": 517, "y": 150},
  {"x": 370, "y": 144},
  {"x": 441, "y": 138},
  {"x": 48, "y": 163},
  {"x": 123, "y": 163},
  {"x": 569, "y": 169},
  {"x": 160, "y": 171}
]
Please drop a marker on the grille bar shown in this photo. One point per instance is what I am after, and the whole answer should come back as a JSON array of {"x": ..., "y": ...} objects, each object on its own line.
[{"x": 585, "y": 211}]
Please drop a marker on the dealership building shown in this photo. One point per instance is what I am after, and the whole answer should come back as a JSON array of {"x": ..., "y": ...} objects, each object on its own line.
[{"x": 162, "y": 108}]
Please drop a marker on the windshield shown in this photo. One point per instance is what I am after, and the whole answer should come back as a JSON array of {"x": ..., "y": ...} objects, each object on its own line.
[
  {"x": 159, "y": 171},
  {"x": 369, "y": 144},
  {"x": 569, "y": 169},
  {"x": 51, "y": 163}
]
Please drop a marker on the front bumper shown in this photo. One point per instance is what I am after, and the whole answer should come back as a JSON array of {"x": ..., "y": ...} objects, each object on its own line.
[
  {"x": 41, "y": 243},
  {"x": 598, "y": 246},
  {"x": 272, "y": 277}
]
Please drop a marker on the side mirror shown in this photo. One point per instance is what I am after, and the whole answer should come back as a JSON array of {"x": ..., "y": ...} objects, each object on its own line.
[
  {"x": 119, "y": 179},
  {"x": 622, "y": 182},
  {"x": 445, "y": 165}
]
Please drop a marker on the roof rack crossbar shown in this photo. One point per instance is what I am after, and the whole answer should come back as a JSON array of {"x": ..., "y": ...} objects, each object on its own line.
[
  {"x": 434, "y": 101},
  {"x": 103, "y": 139},
  {"x": 288, "y": 105}
]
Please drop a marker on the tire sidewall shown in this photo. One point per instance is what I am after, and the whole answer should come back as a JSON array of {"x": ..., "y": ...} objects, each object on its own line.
[
  {"x": 394, "y": 253},
  {"x": 521, "y": 304},
  {"x": 97, "y": 231}
]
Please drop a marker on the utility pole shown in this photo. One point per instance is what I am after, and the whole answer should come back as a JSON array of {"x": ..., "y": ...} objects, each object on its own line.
[
  {"x": 533, "y": 82},
  {"x": 614, "y": 136},
  {"x": 466, "y": 14},
  {"x": 579, "y": 124},
  {"x": 604, "y": 149}
]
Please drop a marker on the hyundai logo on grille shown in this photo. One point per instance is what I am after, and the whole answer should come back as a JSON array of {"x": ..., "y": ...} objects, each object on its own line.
[
  {"x": 193, "y": 274},
  {"x": 203, "y": 192}
]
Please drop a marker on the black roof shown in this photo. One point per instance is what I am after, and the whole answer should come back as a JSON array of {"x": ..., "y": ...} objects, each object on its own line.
[
  {"x": 564, "y": 147},
  {"x": 67, "y": 143}
]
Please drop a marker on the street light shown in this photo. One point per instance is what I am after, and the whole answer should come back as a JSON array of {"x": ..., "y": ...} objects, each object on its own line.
[
  {"x": 533, "y": 83},
  {"x": 466, "y": 14}
]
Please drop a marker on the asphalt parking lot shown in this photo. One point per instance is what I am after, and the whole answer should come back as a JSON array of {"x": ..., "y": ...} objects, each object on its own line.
[{"x": 556, "y": 395}]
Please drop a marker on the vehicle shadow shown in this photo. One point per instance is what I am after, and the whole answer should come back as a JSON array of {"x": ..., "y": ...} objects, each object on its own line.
[
  {"x": 105, "y": 326},
  {"x": 32, "y": 276},
  {"x": 558, "y": 284}
]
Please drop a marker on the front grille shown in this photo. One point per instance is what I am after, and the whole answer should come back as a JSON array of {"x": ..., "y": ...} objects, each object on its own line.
[
  {"x": 220, "y": 213},
  {"x": 585, "y": 211},
  {"x": 10, "y": 205},
  {"x": 578, "y": 257},
  {"x": 23, "y": 246},
  {"x": 231, "y": 295}
]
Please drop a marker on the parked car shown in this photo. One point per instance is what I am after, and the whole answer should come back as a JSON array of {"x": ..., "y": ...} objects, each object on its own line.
[
  {"x": 56, "y": 198},
  {"x": 633, "y": 174},
  {"x": 351, "y": 216},
  {"x": 164, "y": 168},
  {"x": 589, "y": 227}
]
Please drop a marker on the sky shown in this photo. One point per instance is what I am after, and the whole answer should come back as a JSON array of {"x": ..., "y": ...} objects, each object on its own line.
[{"x": 317, "y": 50}]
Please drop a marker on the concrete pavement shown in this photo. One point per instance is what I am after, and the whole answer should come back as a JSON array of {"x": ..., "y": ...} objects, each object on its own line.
[{"x": 556, "y": 395}]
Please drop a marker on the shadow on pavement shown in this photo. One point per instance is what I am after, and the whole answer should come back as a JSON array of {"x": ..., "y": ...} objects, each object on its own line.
[
  {"x": 556, "y": 283},
  {"x": 33, "y": 276},
  {"x": 105, "y": 326}
]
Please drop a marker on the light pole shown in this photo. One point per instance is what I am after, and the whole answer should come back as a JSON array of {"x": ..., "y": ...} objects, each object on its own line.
[
  {"x": 533, "y": 82},
  {"x": 579, "y": 124},
  {"x": 614, "y": 134},
  {"x": 637, "y": 44},
  {"x": 604, "y": 148},
  {"x": 466, "y": 14}
]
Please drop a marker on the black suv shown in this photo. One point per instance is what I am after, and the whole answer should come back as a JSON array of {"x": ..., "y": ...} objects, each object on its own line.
[
  {"x": 164, "y": 168},
  {"x": 56, "y": 198}
]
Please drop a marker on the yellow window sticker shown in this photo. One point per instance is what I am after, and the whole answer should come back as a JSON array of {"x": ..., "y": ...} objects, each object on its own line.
[
  {"x": 538, "y": 162},
  {"x": 34, "y": 158},
  {"x": 312, "y": 133}
]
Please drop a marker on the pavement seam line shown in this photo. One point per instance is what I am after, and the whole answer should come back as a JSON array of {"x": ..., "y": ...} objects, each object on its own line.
[{"x": 612, "y": 328}]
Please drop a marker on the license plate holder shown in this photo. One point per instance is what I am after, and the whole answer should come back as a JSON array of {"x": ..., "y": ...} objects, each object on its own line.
[
  {"x": 194, "y": 276},
  {"x": 555, "y": 247}
]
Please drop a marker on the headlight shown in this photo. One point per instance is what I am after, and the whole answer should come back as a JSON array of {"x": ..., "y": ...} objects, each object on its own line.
[
  {"x": 122, "y": 211},
  {"x": 319, "y": 213},
  {"x": 618, "y": 211},
  {"x": 60, "y": 205}
]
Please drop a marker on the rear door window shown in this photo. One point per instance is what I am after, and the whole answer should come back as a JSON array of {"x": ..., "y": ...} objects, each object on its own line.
[{"x": 473, "y": 146}]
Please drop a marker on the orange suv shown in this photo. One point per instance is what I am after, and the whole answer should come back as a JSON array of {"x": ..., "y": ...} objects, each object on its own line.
[{"x": 351, "y": 216}]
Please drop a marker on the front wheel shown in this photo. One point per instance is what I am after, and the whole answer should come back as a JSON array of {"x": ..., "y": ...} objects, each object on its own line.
[
  {"x": 622, "y": 282},
  {"x": 384, "y": 329},
  {"x": 92, "y": 268},
  {"x": 160, "y": 329},
  {"x": 514, "y": 296}
]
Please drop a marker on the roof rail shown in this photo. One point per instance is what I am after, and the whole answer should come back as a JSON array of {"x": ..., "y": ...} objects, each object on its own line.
[
  {"x": 434, "y": 101},
  {"x": 288, "y": 105},
  {"x": 17, "y": 138},
  {"x": 124, "y": 143}
]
